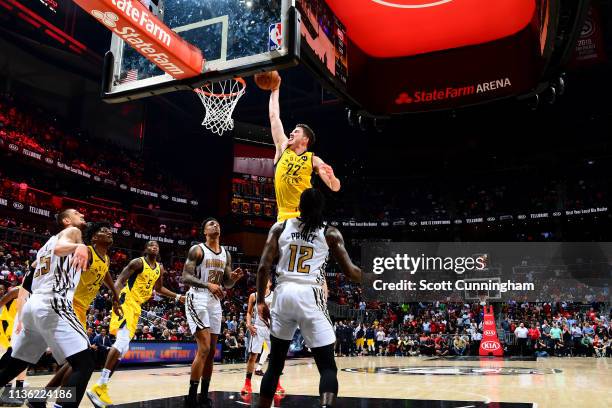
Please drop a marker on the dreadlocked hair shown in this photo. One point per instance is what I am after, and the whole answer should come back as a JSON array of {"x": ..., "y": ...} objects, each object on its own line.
[{"x": 312, "y": 203}]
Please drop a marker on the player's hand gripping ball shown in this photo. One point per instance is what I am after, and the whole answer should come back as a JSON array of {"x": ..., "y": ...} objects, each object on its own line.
[{"x": 268, "y": 81}]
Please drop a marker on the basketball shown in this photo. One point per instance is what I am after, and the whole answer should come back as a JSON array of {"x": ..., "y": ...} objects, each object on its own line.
[{"x": 267, "y": 80}]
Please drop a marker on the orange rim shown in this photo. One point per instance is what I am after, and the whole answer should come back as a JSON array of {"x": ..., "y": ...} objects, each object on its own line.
[{"x": 240, "y": 80}]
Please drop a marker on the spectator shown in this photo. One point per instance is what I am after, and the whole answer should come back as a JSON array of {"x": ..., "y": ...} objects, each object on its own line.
[
  {"x": 521, "y": 333},
  {"x": 459, "y": 346}
]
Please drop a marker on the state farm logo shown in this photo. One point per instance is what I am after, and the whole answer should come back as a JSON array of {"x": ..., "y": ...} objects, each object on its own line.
[
  {"x": 489, "y": 332},
  {"x": 106, "y": 17},
  {"x": 490, "y": 345},
  {"x": 451, "y": 92},
  {"x": 411, "y": 4}
]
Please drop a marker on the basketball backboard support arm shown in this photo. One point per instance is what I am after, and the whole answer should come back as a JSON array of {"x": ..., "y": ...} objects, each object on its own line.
[{"x": 225, "y": 63}]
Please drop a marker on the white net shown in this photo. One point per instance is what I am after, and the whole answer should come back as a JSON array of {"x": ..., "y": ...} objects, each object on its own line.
[{"x": 219, "y": 100}]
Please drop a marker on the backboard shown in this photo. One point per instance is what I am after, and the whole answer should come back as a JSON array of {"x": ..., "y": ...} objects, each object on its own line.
[{"x": 237, "y": 37}]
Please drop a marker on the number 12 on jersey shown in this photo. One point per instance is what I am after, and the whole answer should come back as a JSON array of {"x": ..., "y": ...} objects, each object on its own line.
[{"x": 305, "y": 253}]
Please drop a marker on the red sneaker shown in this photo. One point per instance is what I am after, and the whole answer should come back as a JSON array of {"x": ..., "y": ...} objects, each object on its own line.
[
  {"x": 247, "y": 388},
  {"x": 280, "y": 390}
]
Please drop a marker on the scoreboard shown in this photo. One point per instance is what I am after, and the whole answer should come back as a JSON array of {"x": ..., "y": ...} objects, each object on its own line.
[{"x": 323, "y": 41}]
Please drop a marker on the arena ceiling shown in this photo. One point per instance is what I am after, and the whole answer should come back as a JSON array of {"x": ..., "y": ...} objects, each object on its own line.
[{"x": 399, "y": 28}]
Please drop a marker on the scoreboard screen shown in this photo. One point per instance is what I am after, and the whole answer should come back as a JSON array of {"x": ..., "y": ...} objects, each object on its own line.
[{"x": 324, "y": 39}]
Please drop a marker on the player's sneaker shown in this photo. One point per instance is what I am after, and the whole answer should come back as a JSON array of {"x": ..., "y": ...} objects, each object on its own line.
[
  {"x": 205, "y": 402},
  {"x": 191, "y": 403},
  {"x": 280, "y": 390},
  {"x": 259, "y": 372},
  {"x": 247, "y": 388},
  {"x": 7, "y": 399},
  {"x": 98, "y": 395}
]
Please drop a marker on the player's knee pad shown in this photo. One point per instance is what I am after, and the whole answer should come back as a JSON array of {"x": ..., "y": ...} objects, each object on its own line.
[{"x": 122, "y": 341}]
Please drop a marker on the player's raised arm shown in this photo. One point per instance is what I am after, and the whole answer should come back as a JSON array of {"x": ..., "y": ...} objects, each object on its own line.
[
  {"x": 69, "y": 241},
  {"x": 278, "y": 132},
  {"x": 335, "y": 241},
  {"x": 164, "y": 291},
  {"x": 231, "y": 277},
  {"x": 326, "y": 173},
  {"x": 134, "y": 266}
]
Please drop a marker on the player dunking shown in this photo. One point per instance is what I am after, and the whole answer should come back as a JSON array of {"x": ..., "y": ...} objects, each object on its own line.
[
  {"x": 207, "y": 269},
  {"x": 294, "y": 163},
  {"x": 100, "y": 238},
  {"x": 48, "y": 317},
  {"x": 260, "y": 334},
  {"x": 135, "y": 283},
  {"x": 302, "y": 245}
]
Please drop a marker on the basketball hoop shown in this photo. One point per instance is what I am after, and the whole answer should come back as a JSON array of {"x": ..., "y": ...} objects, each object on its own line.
[{"x": 219, "y": 100}]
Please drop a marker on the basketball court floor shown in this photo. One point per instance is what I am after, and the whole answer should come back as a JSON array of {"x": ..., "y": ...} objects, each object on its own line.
[{"x": 387, "y": 382}]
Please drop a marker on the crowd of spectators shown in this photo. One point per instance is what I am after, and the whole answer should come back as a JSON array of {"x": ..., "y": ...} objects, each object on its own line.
[
  {"x": 447, "y": 329},
  {"x": 29, "y": 126},
  {"x": 27, "y": 194},
  {"x": 483, "y": 194}
]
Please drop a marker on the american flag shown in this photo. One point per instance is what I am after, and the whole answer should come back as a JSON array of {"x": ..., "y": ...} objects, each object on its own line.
[{"x": 132, "y": 75}]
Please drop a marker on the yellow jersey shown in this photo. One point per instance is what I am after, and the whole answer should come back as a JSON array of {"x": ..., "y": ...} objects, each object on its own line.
[
  {"x": 140, "y": 286},
  {"x": 91, "y": 280},
  {"x": 292, "y": 176},
  {"x": 7, "y": 320}
]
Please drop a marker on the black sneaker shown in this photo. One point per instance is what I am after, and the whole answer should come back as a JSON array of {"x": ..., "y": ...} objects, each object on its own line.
[
  {"x": 190, "y": 402},
  {"x": 7, "y": 401},
  {"x": 205, "y": 402}
]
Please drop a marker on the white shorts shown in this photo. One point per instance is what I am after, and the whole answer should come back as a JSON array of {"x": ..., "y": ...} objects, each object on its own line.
[
  {"x": 203, "y": 312},
  {"x": 257, "y": 341},
  {"x": 49, "y": 322},
  {"x": 304, "y": 306}
]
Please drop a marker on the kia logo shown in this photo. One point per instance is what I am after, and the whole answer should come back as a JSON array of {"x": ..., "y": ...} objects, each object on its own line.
[
  {"x": 18, "y": 205},
  {"x": 490, "y": 345},
  {"x": 107, "y": 18},
  {"x": 126, "y": 233},
  {"x": 489, "y": 332}
]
